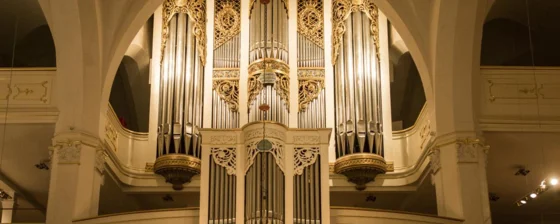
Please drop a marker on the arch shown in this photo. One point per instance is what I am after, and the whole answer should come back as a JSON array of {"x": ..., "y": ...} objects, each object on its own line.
[
  {"x": 456, "y": 57},
  {"x": 132, "y": 24},
  {"x": 403, "y": 17}
]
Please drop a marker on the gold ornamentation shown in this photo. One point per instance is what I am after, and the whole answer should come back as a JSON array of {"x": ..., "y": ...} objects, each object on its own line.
[
  {"x": 310, "y": 20},
  {"x": 227, "y": 21},
  {"x": 149, "y": 168},
  {"x": 360, "y": 168},
  {"x": 226, "y": 84},
  {"x": 341, "y": 10},
  {"x": 177, "y": 168},
  {"x": 283, "y": 1},
  {"x": 304, "y": 157},
  {"x": 225, "y": 157},
  {"x": 269, "y": 65},
  {"x": 311, "y": 83},
  {"x": 196, "y": 10}
]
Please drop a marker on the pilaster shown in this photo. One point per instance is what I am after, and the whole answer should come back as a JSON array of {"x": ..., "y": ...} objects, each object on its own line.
[
  {"x": 458, "y": 167},
  {"x": 76, "y": 177},
  {"x": 7, "y": 210}
]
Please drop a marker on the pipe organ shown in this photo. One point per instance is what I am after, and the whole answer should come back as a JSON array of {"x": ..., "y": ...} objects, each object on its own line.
[
  {"x": 254, "y": 169},
  {"x": 268, "y": 78},
  {"x": 225, "y": 78},
  {"x": 180, "y": 98},
  {"x": 311, "y": 64},
  {"x": 359, "y": 129}
]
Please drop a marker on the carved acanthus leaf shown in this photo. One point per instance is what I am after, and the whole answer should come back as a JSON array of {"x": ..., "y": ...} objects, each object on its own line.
[{"x": 226, "y": 84}]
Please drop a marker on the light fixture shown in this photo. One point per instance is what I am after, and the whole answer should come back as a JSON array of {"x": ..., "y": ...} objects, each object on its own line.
[
  {"x": 533, "y": 195},
  {"x": 523, "y": 202},
  {"x": 553, "y": 181}
]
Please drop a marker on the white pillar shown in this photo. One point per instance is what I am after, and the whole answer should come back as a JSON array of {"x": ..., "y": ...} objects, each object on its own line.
[
  {"x": 292, "y": 62},
  {"x": 244, "y": 62},
  {"x": 209, "y": 66},
  {"x": 329, "y": 78},
  {"x": 76, "y": 178},
  {"x": 154, "y": 80},
  {"x": 7, "y": 210},
  {"x": 459, "y": 175}
]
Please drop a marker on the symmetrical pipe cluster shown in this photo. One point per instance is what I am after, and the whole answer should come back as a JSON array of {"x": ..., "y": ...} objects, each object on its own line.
[
  {"x": 359, "y": 130},
  {"x": 268, "y": 61},
  {"x": 182, "y": 73}
]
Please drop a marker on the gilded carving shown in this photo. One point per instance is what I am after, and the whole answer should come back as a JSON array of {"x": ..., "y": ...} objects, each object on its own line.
[
  {"x": 304, "y": 157},
  {"x": 225, "y": 157},
  {"x": 223, "y": 140},
  {"x": 277, "y": 151},
  {"x": 270, "y": 133},
  {"x": 196, "y": 10},
  {"x": 226, "y": 84},
  {"x": 111, "y": 134},
  {"x": 149, "y": 168},
  {"x": 68, "y": 153},
  {"x": 227, "y": 21},
  {"x": 341, "y": 11},
  {"x": 252, "y": 4},
  {"x": 281, "y": 85},
  {"x": 311, "y": 83},
  {"x": 435, "y": 162},
  {"x": 310, "y": 20},
  {"x": 100, "y": 160},
  {"x": 306, "y": 140},
  {"x": 468, "y": 149}
]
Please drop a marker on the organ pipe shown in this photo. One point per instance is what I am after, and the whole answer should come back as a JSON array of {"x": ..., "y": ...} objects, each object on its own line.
[
  {"x": 180, "y": 102},
  {"x": 359, "y": 130},
  {"x": 311, "y": 62},
  {"x": 268, "y": 80},
  {"x": 225, "y": 78}
]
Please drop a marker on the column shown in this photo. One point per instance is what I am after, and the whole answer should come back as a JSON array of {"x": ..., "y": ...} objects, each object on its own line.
[
  {"x": 76, "y": 177},
  {"x": 458, "y": 165},
  {"x": 7, "y": 210}
]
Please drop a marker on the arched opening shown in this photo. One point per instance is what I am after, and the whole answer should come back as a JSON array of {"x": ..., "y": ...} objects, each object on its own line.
[
  {"x": 130, "y": 92},
  {"x": 407, "y": 92}
]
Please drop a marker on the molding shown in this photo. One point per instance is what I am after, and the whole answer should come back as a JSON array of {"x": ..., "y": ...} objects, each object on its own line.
[
  {"x": 435, "y": 162},
  {"x": 28, "y": 116},
  {"x": 112, "y": 117},
  {"x": 68, "y": 152},
  {"x": 422, "y": 117}
]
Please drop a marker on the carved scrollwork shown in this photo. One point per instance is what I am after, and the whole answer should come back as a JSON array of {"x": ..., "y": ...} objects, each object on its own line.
[
  {"x": 311, "y": 83},
  {"x": 310, "y": 20},
  {"x": 223, "y": 140},
  {"x": 226, "y": 84},
  {"x": 306, "y": 140},
  {"x": 277, "y": 151},
  {"x": 304, "y": 157},
  {"x": 281, "y": 85},
  {"x": 196, "y": 10},
  {"x": 252, "y": 4},
  {"x": 341, "y": 10},
  {"x": 225, "y": 157},
  {"x": 227, "y": 21},
  {"x": 68, "y": 153},
  {"x": 435, "y": 162},
  {"x": 468, "y": 150}
]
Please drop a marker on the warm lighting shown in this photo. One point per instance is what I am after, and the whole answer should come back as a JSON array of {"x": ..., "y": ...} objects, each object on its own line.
[
  {"x": 553, "y": 181},
  {"x": 523, "y": 202},
  {"x": 533, "y": 195}
]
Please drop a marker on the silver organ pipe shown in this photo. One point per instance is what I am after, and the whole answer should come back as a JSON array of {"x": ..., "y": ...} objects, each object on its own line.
[
  {"x": 268, "y": 80},
  {"x": 264, "y": 191},
  {"x": 358, "y": 118},
  {"x": 225, "y": 78},
  {"x": 180, "y": 102},
  {"x": 311, "y": 63},
  {"x": 307, "y": 186},
  {"x": 222, "y": 197}
]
